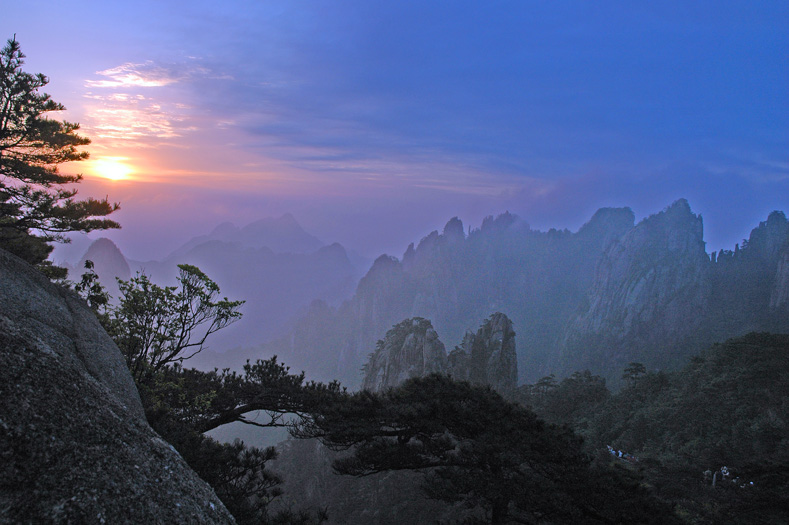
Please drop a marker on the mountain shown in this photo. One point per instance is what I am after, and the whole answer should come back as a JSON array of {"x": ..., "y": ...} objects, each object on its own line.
[
  {"x": 658, "y": 297},
  {"x": 410, "y": 349},
  {"x": 649, "y": 293},
  {"x": 537, "y": 278},
  {"x": 75, "y": 446},
  {"x": 108, "y": 263},
  {"x": 281, "y": 235},
  {"x": 277, "y": 286},
  {"x": 611, "y": 293}
]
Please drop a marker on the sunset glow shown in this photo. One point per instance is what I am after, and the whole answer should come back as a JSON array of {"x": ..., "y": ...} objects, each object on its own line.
[
  {"x": 374, "y": 125},
  {"x": 113, "y": 168}
]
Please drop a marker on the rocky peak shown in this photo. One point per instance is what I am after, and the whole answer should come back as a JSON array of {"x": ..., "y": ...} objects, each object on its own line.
[
  {"x": 607, "y": 224},
  {"x": 384, "y": 270},
  {"x": 108, "y": 263},
  {"x": 453, "y": 230},
  {"x": 410, "y": 349},
  {"x": 649, "y": 286},
  {"x": 488, "y": 357},
  {"x": 223, "y": 230},
  {"x": 770, "y": 237},
  {"x": 500, "y": 223}
]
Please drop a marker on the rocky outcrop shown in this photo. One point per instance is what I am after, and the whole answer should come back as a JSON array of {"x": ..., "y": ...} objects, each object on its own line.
[
  {"x": 488, "y": 357},
  {"x": 650, "y": 291},
  {"x": 74, "y": 443},
  {"x": 410, "y": 349}
]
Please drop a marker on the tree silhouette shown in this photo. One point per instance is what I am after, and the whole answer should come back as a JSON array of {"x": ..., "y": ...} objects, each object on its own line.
[{"x": 35, "y": 206}]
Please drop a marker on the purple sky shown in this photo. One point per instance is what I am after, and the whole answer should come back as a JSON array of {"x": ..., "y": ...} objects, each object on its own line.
[{"x": 374, "y": 123}]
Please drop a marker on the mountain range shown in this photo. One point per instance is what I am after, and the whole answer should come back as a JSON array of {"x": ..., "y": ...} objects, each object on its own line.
[{"x": 611, "y": 293}]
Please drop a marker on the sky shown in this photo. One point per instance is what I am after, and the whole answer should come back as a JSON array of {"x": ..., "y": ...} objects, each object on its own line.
[{"x": 374, "y": 123}]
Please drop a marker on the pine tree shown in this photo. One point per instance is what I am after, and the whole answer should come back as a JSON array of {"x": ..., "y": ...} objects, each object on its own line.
[{"x": 36, "y": 207}]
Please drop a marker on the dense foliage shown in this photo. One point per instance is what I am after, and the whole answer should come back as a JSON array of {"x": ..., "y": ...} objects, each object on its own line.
[
  {"x": 35, "y": 206},
  {"x": 479, "y": 449},
  {"x": 729, "y": 407}
]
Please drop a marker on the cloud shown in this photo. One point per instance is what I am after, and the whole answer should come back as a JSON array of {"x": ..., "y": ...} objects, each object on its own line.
[
  {"x": 142, "y": 104},
  {"x": 134, "y": 75}
]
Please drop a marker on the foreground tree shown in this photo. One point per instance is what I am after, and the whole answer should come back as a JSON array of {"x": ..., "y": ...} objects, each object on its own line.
[
  {"x": 36, "y": 208},
  {"x": 156, "y": 326},
  {"x": 480, "y": 450},
  {"x": 157, "y": 329}
]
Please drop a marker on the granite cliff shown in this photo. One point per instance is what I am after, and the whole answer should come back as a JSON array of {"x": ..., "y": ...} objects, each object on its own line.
[
  {"x": 74, "y": 443},
  {"x": 649, "y": 294},
  {"x": 488, "y": 357},
  {"x": 412, "y": 349}
]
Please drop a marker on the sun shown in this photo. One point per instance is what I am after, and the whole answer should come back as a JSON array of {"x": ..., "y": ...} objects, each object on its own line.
[{"x": 113, "y": 168}]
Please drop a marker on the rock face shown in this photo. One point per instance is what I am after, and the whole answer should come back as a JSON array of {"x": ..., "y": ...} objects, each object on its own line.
[
  {"x": 649, "y": 291},
  {"x": 410, "y": 349},
  {"x": 488, "y": 357},
  {"x": 74, "y": 443},
  {"x": 780, "y": 294}
]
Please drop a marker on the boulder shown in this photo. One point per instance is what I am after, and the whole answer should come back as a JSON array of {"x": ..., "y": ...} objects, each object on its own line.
[{"x": 74, "y": 443}]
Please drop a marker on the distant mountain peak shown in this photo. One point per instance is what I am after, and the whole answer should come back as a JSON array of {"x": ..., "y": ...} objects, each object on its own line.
[
  {"x": 224, "y": 229},
  {"x": 288, "y": 218},
  {"x": 281, "y": 234}
]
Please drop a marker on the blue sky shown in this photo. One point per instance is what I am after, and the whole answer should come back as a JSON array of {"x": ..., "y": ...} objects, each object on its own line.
[{"x": 376, "y": 122}]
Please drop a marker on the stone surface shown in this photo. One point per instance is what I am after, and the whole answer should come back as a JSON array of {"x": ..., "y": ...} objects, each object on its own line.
[
  {"x": 488, "y": 357},
  {"x": 74, "y": 443},
  {"x": 410, "y": 349},
  {"x": 650, "y": 291}
]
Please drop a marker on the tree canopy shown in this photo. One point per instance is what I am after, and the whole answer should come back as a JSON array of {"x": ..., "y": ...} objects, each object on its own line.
[
  {"x": 155, "y": 326},
  {"x": 36, "y": 206},
  {"x": 480, "y": 450}
]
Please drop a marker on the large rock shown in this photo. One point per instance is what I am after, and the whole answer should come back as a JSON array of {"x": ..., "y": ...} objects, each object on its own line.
[
  {"x": 74, "y": 443},
  {"x": 488, "y": 357},
  {"x": 410, "y": 349}
]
